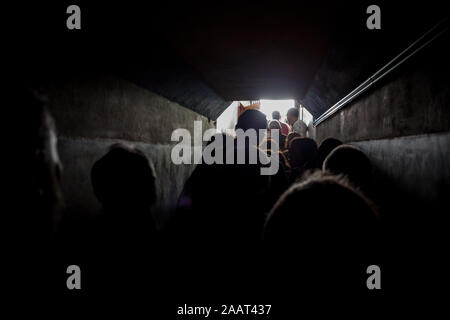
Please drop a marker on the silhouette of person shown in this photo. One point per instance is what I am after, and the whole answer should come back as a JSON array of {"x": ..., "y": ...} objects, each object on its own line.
[
  {"x": 284, "y": 127},
  {"x": 276, "y": 125},
  {"x": 325, "y": 148},
  {"x": 353, "y": 163},
  {"x": 302, "y": 157},
  {"x": 34, "y": 190},
  {"x": 124, "y": 181},
  {"x": 297, "y": 125},
  {"x": 320, "y": 223}
]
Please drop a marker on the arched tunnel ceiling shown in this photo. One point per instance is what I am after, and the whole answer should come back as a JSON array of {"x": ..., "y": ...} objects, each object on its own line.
[{"x": 204, "y": 55}]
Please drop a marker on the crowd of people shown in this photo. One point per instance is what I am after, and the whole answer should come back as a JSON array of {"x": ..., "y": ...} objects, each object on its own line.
[
  {"x": 314, "y": 211},
  {"x": 317, "y": 206}
]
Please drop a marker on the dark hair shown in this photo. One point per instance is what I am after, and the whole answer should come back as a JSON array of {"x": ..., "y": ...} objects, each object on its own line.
[
  {"x": 322, "y": 212},
  {"x": 276, "y": 115},
  {"x": 303, "y": 152},
  {"x": 124, "y": 176},
  {"x": 325, "y": 149},
  {"x": 251, "y": 119},
  {"x": 352, "y": 162},
  {"x": 319, "y": 222},
  {"x": 302, "y": 157},
  {"x": 227, "y": 143},
  {"x": 293, "y": 112}
]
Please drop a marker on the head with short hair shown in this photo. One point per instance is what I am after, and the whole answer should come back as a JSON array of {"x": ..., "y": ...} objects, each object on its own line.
[
  {"x": 303, "y": 153},
  {"x": 351, "y": 162},
  {"x": 251, "y": 119},
  {"x": 274, "y": 124},
  {"x": 276, "y": 115},
  {"x": 325, "y": 148},
  {"x": 292, "y": 116},
  {"x": 323, "y": 215},
  {"x": 124, "y": 178}
]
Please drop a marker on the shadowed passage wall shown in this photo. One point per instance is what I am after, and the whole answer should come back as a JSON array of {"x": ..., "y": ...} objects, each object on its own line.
[
  {"x": 403, "y": 125},
  {"x": 94, "y": 111}
]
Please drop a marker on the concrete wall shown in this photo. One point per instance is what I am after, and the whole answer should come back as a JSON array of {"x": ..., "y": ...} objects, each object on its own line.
[
  {"x": 94, "y": 111},
  {"x": 413, "y": 100},
  {"x": 403, "y": 125},
  {"x": 419, "y": 165}
]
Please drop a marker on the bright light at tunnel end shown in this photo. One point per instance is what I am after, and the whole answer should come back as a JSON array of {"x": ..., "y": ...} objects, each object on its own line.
[{"x": 269, "y": 106}]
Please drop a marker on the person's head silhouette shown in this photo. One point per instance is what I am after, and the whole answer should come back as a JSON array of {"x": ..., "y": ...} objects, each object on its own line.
[
  {"x": 351, "y": 162},
  {"x": 325, "y": 148},
  {"x": 124, "y": 178}
]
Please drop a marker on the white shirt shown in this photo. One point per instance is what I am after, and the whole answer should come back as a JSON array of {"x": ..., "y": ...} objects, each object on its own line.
[{"x": 300, "y": 127}]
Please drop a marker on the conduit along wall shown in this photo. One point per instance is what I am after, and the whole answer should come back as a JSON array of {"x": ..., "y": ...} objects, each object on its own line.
[
  {"x": 402, "y": 123},
  {"x": 93, "y": 111}
]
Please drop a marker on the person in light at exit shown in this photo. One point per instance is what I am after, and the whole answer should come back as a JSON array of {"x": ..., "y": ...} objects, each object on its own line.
[
  {"x": 297, "y": 125},
  {"x": 284, "y": 127}
]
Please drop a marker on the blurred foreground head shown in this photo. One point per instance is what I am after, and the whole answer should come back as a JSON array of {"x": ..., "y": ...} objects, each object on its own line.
[
  {"x": 303, "y": 153},
  {"x": 251, "y": 119},
  {"x": 40, "y": 195},
  {"x": 322, "y": 217},
  {"x": 322, "y": 234}
]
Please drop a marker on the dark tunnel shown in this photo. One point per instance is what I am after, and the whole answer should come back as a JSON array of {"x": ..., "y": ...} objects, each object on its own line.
[{"x": 363, "y": 177}]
